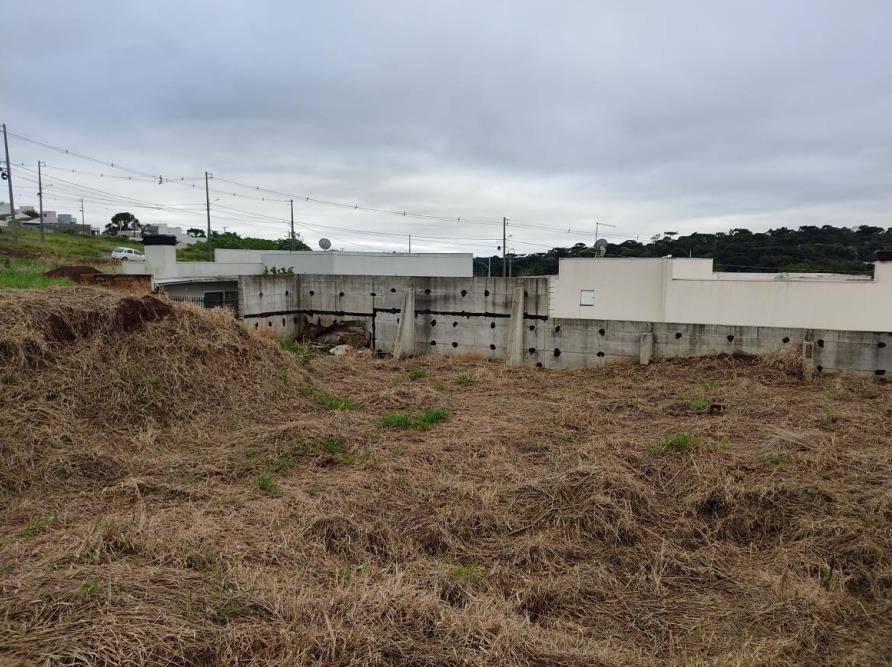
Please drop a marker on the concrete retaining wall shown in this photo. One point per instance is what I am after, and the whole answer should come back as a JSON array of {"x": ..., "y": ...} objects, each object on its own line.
[{"x": 472, "y": 317}]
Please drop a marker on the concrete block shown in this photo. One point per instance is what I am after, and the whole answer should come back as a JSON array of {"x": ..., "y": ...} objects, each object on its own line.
[{"x": 647, "y": 349}]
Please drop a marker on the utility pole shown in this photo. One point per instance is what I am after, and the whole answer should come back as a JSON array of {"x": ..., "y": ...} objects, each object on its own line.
[
  {"x": 504, "y": 243},
  {"x": 83, "y": 216},
  {"x": 40, "y": 199},
  {"x": 15, "y": 233},
  {"x": 291, "y": 241},
  {"x": 601, "y": 224},
  {"x": 410, "y": 244},
  {"x": 207, "y": 196}
]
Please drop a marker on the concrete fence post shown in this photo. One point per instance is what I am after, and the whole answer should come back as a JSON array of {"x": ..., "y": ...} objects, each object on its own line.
[
  {"x": 808, "y": 360},
  {"x": 514, "y": 351},
  {"x": 646, "y": 349},
  {"x": 404, "y": 345}
]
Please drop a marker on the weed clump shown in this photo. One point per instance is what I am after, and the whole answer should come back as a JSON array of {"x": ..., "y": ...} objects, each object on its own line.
[
  {"x": 265, "y": 482},
  {"x": 422, "y": 422},
  {"x": 472, "y": 574},
  {"x": 466, "y": 380},
  {"x": 304, "y": 353},
  {"x": 37, "y": 525},
  {"x": 417, "y": 374},
  {"x": 327, "y": 401},
  {"x": 679, "y": 442}
]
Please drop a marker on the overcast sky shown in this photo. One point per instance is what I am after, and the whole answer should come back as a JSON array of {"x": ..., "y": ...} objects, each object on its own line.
[{"x": 651, "y": 117}]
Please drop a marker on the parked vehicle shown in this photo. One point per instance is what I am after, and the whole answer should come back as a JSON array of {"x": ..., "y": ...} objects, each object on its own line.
[{"x": 125, "y": 254}]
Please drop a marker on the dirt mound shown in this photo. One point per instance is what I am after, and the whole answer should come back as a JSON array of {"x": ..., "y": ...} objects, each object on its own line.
[
  {"x": 76, "y": 272},
  {"x": 179, "y": 492}
]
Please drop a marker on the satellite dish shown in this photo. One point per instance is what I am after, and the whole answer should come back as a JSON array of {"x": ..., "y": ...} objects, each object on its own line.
[
  {"x": 600, "y": 247},
  {"x": 324, "y": 243}
]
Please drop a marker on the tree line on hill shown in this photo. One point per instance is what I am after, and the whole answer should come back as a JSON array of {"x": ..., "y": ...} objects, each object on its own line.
[{"x": 806, "y": 249}]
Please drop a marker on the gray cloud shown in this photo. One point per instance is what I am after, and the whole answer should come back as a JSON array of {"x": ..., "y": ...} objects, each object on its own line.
[{"x": 648, "y": 116}]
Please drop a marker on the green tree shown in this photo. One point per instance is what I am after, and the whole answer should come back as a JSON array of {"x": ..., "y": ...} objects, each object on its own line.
[{"x": 122, "y": 222}]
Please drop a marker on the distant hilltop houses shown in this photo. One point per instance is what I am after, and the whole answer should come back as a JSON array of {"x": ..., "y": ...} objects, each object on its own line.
[{"x": 28, "y": 217}]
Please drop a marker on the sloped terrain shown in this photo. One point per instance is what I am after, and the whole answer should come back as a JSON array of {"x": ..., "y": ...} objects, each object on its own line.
[{"x": 177, "y": 491}]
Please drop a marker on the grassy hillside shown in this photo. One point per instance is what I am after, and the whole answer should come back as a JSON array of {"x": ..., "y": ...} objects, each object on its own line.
[{"x": 23, "y": 263}]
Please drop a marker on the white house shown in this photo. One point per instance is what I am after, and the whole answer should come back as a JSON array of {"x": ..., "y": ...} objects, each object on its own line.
[{"x": 689, "y": 291}]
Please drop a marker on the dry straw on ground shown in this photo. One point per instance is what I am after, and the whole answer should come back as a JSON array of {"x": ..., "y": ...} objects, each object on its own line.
[{"x": 174, "y": 493}]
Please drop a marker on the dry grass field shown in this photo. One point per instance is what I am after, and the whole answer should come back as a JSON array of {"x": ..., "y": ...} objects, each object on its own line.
[{"x": 177, "y": 491}]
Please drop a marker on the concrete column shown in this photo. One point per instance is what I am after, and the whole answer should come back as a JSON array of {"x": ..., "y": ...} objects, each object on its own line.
[
  {"x": 808, "y": 360},
  {"x": 647, "y": 348},
  {"x": 404, "y": 345},
  {"x": 514, "y": 352}
]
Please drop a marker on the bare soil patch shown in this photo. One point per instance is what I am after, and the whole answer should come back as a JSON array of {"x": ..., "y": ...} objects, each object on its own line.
[{"x": 178, "y": 491}]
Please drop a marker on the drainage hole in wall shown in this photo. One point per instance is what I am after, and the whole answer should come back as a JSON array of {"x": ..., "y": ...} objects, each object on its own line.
[
  {"x": 730, "y": 338},
  {"x": 557, "y": 352},
  {"x": 486, "y": 292},
  {"x": 455, "y": 324},
  {"x": 283, "y": 321},
  {"x": 601, "y": 332},
  {"x": 464, "y": 292},
  {"x": 340, "y": 294},
  {"x": 397, "y": 320},
  {"x": 538, "y": 364},
  {"x": 270, "y": 323},
  {"x": 260, "y": 295},
  {"x": 256, "y": 324},
  {"x": 677, "y": 335},
  {"x": 880, "y": 371},
  {"x": 492, "y": 346},
  {"x": 532, "y": 327},
  {"x": 312, "y": 292},
  {"x": 372, "y": 294},
  {"x": 881, "y": 344},
  {"x": 454, "y": 344},
  {"x": 286, "y": 292},
  {"x": 786, "y": 339},
  {"x": 532, "y": 350},
  {"x": 427, "y": 291},
  {"x": 600, "y": 354},
  {"x": 433, "y": 342},
  {"x": 557, "y": 329},
  {"x": 433, "y": 323},
  {"x": 819, "y": 368},
  {"x": 820, "y": 342},
  {"x": 492, "y": 325},
  {"x": 525, "y": 293}
]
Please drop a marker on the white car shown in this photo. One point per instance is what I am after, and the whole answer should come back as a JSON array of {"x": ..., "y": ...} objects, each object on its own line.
[{"x": 125, "y": 254}]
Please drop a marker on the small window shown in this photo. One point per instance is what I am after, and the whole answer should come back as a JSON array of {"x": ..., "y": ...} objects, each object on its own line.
[{"x": 586, "y": 297}]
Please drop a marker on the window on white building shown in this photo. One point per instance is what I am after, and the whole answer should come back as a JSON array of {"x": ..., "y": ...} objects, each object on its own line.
[{"x": 586, "y": 297}]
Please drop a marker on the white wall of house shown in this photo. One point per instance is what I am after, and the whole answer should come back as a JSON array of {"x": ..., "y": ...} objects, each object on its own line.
[
  {"x": 162, "y": 264},
  {"x": 444, "y": 265},
  {"x": 687, "y": 291}
]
